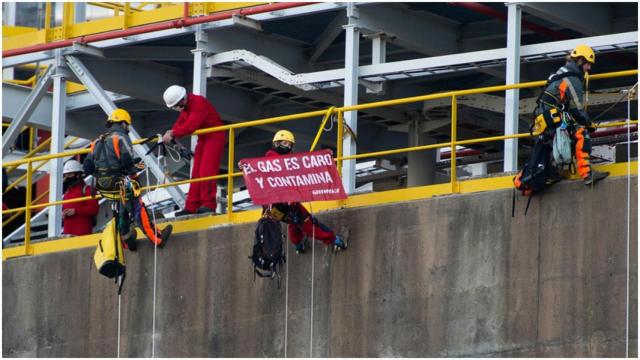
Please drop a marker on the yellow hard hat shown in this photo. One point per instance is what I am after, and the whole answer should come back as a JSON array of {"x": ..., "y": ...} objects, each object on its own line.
[
  {"x": 284, "y": 135},
  {"x": 119, "y": 115},
  {"x": 585, "y": 52}
]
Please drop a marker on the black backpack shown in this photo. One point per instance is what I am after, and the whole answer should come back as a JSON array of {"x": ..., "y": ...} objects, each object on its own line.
[
  {"x": 536, "y": 173},
  {"x": 268, "y": 249}
]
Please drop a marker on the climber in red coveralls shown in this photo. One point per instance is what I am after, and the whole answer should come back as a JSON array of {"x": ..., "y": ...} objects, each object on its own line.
[
  {"x": 79, "y": 217},
  {"x": 197, "y": 113},
  {"x": 300, "y": 221}
]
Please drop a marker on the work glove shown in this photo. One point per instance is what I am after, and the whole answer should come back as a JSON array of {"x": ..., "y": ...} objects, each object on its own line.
[{"x": 591, "y": 127}]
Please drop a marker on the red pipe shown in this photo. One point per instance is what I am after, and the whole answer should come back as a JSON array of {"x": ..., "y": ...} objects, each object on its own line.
[
  {"x": 461, "y": 153},
  {"x": 609, "y": 132},
  {"x": 171, "y": 24},
  {"x": 486, "y": 10}
]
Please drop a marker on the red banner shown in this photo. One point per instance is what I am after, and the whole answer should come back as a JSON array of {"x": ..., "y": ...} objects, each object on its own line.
[{"x": 300, "y": 177}]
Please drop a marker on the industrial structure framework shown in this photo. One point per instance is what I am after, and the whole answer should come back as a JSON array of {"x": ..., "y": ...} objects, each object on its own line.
[{"x": 258, "y": 60}]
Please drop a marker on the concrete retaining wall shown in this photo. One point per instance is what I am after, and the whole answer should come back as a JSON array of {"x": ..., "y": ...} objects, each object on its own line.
[{"x": 448, "y": 276}]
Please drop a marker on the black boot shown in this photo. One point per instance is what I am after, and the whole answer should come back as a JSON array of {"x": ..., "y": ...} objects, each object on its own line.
[
  {"x": 164, "y": 235},
  {"x": 595, "y": 176}
]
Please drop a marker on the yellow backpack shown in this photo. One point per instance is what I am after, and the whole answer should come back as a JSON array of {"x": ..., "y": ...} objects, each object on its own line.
[{"x": 109, "y": 255}]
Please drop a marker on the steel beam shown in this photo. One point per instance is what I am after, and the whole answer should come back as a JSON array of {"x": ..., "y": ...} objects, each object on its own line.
[
  {"x": 408, "y": 28},
  {"x": 140, "y": 80},
  {"x": 200, "y": 84},
  {"x": 470, "y": 60},
  {"x": 512, "y": 97},
  {"x": 86, "y": 125},
  {"x": 108, "y": 106},
  {"x": 328, "y": 36},
  {"x": 574, "y": 17},
  {"x": 58, "y": 126},
  {"x": 25, "y": 111},
  {"x": 351, "y": 60}
]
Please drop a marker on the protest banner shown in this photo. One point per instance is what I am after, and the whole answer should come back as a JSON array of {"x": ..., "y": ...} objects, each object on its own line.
[{"x": 300, "y": 177}]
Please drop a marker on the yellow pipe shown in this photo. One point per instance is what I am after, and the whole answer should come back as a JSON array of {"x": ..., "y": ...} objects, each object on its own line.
[
  {"x": 339, "y": 145},
  {"x": 38, "y": 148},
  {"x": 230, "y": 166},
  {"x": 619, "y": 123},
  {"x": 31, "y": 138},
  {"x": 454, "y": 137},
  {"x": 613, "y": 74},
  {"x": 322, "y": 124}
]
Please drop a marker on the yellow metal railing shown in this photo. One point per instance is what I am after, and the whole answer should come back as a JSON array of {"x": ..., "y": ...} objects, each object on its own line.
[
  {"x": 339, "y": 112},
  {"x": 124, "y": 16}
]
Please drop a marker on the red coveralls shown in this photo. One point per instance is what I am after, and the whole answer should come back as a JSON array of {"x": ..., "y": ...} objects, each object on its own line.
[
  {"x": 305, "y": 224},
  {"x": 81, "y": 223},
  {"x": 200, "y": 114}
]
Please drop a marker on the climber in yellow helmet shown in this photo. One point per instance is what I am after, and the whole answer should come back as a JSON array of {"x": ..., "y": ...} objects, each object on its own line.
[{"x": 564, "y": 94}]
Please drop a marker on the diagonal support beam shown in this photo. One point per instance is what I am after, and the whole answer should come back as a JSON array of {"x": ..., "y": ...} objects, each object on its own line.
[
  {"x": 25, "y": 112},
  {"x": 108, "y": 106},
  {"x": 328, "y": 36}
]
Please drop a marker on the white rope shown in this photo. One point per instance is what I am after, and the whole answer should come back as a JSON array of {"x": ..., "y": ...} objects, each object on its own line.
[
  {"x": 286, "y": 295},
  {"x": 628, "y": 214},
  {"x": 155, "y": 256},
  {"x": 119, "y": 315},
  {"x": 313, "y": 247}
]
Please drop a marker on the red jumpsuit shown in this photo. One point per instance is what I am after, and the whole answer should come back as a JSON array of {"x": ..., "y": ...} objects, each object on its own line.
[
  {"x": 200, "y": 114},
  {"x": 81, "y": 223},
  {"x": 301, "y": 222}
]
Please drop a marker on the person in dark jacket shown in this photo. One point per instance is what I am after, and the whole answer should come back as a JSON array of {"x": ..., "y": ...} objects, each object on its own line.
[
  {"x": 77, "y": 218},
  {"x": 197, "y": 113},
  {"x": 564, "y": 93},
  {"x": 111, "y": 163},
  {"x": 300, "y": 222}
]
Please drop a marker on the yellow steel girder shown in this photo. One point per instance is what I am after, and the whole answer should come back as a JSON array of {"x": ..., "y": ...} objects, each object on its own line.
[{"x": 19, "y": 39}]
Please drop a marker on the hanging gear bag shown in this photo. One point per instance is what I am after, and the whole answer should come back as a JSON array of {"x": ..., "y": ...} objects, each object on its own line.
[
  {"x": 536, "y": 173},
  {"x": 268, "y": 250},
  {"x": 109, "y": 256}
]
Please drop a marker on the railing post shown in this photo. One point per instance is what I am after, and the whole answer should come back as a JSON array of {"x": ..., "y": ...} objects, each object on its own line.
[
  {"x": 339, "y": 142},
  {"x": 230, "y": 174},
  {"x": 47, "y": 21},
  {"x": 454, "y": 138},
  {"x": 125, "y": 17},
  {"x": 327, "y": 116},
  {"x": 27, "y": 213}
]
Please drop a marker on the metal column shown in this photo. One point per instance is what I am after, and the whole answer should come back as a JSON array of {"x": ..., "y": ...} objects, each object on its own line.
[
  {"x": 107, "y": 105},
  {"x": 512, "y": 97},
  {"x": 421, "y": 165},
  {"x": 58, "y": 125},
  {"x": 351, "y": 60}
]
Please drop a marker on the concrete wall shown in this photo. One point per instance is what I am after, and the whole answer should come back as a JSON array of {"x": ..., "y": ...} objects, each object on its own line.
[{"x": 448, "y": 276}]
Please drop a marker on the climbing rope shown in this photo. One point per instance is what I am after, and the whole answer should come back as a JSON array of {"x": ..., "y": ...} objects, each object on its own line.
[
  {"x": 119, "y": 317},
  {"x": 313, "y": 247},
  {"x": 155, "y": 250},
  {"x": 624, "y": 96},
  {"x": 629, "y": 94},
  {"x": 286, "y": 295}
]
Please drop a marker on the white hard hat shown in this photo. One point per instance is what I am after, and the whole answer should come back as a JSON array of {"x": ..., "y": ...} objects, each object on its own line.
[
  {"x": 173, "y": 95},
  {"x": 72, "y": 166}
]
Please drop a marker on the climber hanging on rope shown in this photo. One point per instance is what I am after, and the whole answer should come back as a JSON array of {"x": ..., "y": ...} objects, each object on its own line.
[{"x": 111, "y": 163}]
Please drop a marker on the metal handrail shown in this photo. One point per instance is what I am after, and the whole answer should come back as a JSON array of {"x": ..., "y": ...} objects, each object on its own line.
[{"x": 339, "y": 159}]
